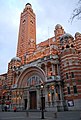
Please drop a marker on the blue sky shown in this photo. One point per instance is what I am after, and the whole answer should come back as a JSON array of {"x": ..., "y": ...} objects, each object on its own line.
[{"x": 48, "y": 14}]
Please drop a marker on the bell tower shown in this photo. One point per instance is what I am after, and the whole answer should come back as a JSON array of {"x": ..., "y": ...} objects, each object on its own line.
[{"x": 27, "y": 32}]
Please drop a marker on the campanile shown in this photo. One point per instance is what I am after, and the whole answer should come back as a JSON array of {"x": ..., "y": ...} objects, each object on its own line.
[{"x": 27, "y": 32}]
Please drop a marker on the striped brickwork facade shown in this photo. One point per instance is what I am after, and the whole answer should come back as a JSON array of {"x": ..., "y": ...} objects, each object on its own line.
[{"x": 55, "y": 63}]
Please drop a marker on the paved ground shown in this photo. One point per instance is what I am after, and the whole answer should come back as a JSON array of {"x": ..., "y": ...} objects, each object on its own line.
[{"x": 69, "y": 115}]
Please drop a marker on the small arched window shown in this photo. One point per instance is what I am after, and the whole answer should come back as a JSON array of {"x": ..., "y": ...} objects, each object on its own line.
[
  {"x": 72, "y": 46},
  {"x": 67, "y": 46}
]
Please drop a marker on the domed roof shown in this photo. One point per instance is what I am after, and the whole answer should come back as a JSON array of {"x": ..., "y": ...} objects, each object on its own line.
[
  {"x": 66, "y": 35},
  {"x": 16, "y": 59},
  {"x": 77, "y": 33},
  {"x": 58, "y": 26},
  {"x": 28, "y": 4}
]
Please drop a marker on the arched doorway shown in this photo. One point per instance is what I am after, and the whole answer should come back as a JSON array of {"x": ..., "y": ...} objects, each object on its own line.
[{"x": 29, "y": 81}]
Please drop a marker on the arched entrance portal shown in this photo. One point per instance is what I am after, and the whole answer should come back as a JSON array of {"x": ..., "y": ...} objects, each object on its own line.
[{"x": 29, "y": 86}]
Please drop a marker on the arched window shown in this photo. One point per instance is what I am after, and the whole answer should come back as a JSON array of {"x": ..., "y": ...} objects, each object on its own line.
[
  {"x": 72, "y": 45},
  {"x": 67, "y": 46},
  {"x": 34, "y": 80},
  {"x": 68, "y": 90},
  {"x": 43, "y": 67},
  {"x": 75, "y": 89}
]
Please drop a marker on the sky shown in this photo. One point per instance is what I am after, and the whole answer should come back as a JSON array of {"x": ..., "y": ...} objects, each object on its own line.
[{"x": 49, "y": 13}]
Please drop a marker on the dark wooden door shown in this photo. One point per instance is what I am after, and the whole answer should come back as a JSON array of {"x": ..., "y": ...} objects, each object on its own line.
[{"x": 33, "y": 100}]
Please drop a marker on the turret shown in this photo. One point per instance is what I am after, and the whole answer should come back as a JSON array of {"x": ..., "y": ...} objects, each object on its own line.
[
  {"x": 59, "y": 31},
  {"x": 78, "y": 41},
  {"x": 12, "y": 65}
]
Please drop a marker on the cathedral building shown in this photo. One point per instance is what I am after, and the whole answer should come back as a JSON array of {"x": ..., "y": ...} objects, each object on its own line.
[{"x": 50, "y": 69}]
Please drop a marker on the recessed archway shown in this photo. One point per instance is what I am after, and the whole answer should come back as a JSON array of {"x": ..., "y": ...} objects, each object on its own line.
[
  {"x": 27, "y": 73},
  {"x": 28, "y": 81}
]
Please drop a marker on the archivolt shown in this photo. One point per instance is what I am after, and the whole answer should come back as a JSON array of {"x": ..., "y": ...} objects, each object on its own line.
[{"x": 28, "y": 72}]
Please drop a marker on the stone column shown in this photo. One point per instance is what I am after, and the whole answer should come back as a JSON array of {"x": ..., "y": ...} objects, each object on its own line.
[
  {"x": 16, "y": 98},
  {"x": 52, "y": 68},
  {"x": 55, "y": 101},
  {"x": 46, "y": 70},
  {"x": 60, "y": 91},
  {"x": 22, "y": 102},
  {"x": 57, "y": 69},
  {"x": 61, "y": 97},
  {"x": 28, "y": 100},
  {"x": 19, "y": 98},
  {"x": 55, "y": 93},
  {"x": 38, "y": 99}
]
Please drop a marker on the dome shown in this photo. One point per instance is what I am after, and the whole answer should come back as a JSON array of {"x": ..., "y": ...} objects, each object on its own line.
[
  {"x": 77, "y": 33},
  {"x": 28, "y": 5},
  {"x": 58, "y": 26},
  {"x": 16, "y": 59},
  {"x": 66, "y": 35}
]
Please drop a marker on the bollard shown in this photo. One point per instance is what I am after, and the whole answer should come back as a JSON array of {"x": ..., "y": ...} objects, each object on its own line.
[{"x": 55, "y": 114}]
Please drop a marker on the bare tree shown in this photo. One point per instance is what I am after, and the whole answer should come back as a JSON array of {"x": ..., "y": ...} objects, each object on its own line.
[{"x": 76, "y": 12}]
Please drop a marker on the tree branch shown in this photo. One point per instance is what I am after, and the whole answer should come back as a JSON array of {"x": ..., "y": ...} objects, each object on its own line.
[{"x": 76, "y": 12}]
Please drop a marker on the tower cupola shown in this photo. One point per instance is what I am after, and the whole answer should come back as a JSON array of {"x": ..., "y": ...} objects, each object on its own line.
[{"x": 59, "y": 31}]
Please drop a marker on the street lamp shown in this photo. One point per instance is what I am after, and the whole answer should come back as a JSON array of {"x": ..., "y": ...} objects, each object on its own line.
[{"x": 42, "y": 102}]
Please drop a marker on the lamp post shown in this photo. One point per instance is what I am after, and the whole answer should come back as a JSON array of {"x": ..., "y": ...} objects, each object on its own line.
[{"x": 42, "y": 102}]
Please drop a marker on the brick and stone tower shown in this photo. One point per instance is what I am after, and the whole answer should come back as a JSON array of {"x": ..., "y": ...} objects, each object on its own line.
[
  {"x": 70, "y": 70},
  {"x": 11, "y": 74},
  {"x": 27, "y": 32},
  {"x": 78, "y": 44},
  {"x": 78, "y": 41},
  {"x": 59, "y": 31}
]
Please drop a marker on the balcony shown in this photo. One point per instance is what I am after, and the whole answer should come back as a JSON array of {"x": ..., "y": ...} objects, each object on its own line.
[
  {"x": 55, "y": 57},
  {"x": 54, "y": 78}
]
